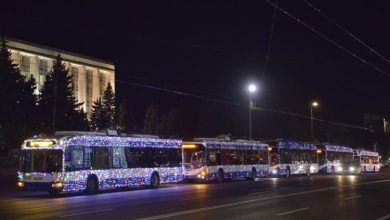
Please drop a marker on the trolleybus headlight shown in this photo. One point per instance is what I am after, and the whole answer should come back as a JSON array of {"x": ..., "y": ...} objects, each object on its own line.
[
  {"x": 274, "y": 171},
  {"x": 20, "y": 184},
  {"x": 339, "y": 169},
  {"x": 312, "y": 168},
  {"x": 351, "y": 169},
  {"x": 203, "y": 173},
  {"x": 57, "y": 185}
]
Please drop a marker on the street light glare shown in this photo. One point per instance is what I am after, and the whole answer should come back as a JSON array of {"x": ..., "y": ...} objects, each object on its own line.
[
  {"x": 314, "y": 104},
  {"x": 252, "y": 88}
]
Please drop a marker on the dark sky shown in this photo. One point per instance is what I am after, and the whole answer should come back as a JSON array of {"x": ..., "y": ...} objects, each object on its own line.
[{"x": 213, "y": 48}]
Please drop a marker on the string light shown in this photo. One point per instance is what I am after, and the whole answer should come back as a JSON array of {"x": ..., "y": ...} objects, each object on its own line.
[
  {"x": 338, "y": 148},
  {"x": 291, "y": 144}
]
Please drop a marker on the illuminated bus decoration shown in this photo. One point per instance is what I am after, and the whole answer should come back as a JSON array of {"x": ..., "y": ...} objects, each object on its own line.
[
  {"x": 333, "y": 159},
  {"x": 89, "y": 163},
  {"x": 369, "y": 160},
  {"x": 288, "y": 157},
  {"x": 214, "y": 159}
]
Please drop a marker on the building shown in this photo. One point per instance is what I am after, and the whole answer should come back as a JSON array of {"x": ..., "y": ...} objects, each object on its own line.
[{"x": 90, "y": 75}]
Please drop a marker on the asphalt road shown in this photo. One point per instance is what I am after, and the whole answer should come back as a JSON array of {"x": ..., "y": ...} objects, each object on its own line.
[{"x": 315, "y": 197}]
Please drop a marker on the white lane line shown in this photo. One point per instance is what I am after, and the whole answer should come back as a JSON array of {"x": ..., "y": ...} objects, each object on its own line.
[
  {"x": 28, "y": 209},
  {"x": 84, "y": 213},
  {"x": 259, "y": 193},
  {"x": 293, "y": 211},
  {"x": 174, "y": 214},
  {"x": 384, "y": 217},
  {"x": 201, "y": 197},
  {"x": 353, "y": 197}
]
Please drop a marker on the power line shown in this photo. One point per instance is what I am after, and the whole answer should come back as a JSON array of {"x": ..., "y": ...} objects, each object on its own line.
[
  {"x": 270, "y": 40},
  {"x": 345, "y": 30},
  {"x": 328, "y": 39},
  {"x": 242, "y": 105}
]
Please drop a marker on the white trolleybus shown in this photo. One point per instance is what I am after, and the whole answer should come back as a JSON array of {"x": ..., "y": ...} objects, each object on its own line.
[
  {"x": 289, "y": 157},
  {"x": 336, "y": 159},
  {"x": 86, "y": 161},
  {"x": 218, "y": 159},
  {"x": 369, "y": 160}
]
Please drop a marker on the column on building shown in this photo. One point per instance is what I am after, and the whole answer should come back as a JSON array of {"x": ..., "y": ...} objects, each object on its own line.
[{"x": 82, "y": 90}]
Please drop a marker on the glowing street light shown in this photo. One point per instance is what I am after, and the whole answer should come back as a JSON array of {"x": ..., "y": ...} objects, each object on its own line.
[
  {"x": 252, "y": 89},
  {"x": 314, "y": 104}
]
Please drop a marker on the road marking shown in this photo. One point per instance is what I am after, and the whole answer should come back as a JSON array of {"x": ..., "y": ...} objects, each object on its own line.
[
  {"x": 293, "y": 211},
  {"x": 201, "y": 197},
  {"x": 384, "y": 217},
  {"x": 28, "y": 209},
  {"x": 84, "y": 213},
  {"x": 353, "y": 197},
  {"x": 174, "y": 214}
]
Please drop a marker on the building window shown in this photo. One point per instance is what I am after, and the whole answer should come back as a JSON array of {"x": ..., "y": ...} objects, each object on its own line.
[
  {"x": 25, "y": 65},
  {"x": 89, "y": 89},
  {"x": 75, "y": 75},
  {"x": 102, "y": 83},
  {"x": 42, "y": 67}
]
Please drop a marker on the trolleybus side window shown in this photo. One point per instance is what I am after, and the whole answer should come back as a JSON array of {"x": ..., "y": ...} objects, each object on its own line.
[
  {"x": 100, "y": 158},
  {"x": 135, "y": 157},
  {"x": 214, "y": 157},
  {"x": 118, "y": 157}
]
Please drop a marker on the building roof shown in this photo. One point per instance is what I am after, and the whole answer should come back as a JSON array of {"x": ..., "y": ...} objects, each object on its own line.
[{"x": 45, "y": 51}]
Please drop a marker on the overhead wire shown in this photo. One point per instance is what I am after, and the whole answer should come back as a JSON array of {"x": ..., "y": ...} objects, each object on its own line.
[
  {"x": 328, "y": 38},
  {"x": 242, "y": 105},
  {"x": 346, "y": 31},
  {"x": 269, "y": 46}
]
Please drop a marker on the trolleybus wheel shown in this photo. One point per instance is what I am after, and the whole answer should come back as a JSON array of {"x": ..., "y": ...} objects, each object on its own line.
[
  {"x": 253, "y": 173},
  {"x": 288, "y": 173},
  {"x": 155, "y": 180},
  {"x": 221, "y": 176},
  {"x": 92, "y": 185}
]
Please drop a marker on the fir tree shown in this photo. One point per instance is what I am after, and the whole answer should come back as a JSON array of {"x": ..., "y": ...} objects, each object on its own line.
[
  {"x": 108, "y": 102},
  {"x": 96, "y": 117},
  {"x": 58, "y": 106},
  {"x": 123, "y": 116},
  {"x": 17, "y": 101},
  {"x": 168, "y": 122},
  {"x": 151, "y": 120}
]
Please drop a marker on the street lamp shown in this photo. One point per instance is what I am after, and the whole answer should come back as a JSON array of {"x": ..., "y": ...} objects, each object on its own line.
[
  {"x": 313, "y": 105},
  {"x": 252, "y": 89}
]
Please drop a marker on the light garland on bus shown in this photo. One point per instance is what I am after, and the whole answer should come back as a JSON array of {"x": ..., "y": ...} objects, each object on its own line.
[
  {"x": 290, "y": 144},
  {"x": 236, "y": 145},
  {"x": 338, "y": 148}
]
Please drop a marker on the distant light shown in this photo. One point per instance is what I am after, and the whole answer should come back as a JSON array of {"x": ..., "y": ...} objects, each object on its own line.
[
  {"x": 252, "y": 88},
  {"x": 314, "y": 104},
  {"x": 189, "y": 146},
  {"x": 269, "y": 148},
  {"x": 319, "y": 151}
]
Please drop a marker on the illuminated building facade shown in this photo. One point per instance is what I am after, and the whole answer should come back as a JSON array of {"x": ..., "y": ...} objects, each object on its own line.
[{"x": 90, "y": 75}]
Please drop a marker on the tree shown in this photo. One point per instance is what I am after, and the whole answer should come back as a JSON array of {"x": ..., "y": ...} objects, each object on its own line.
[
  {"x": 17, "y": 101},
  {"x": 168, "y": 122},
  {"x": 151, "y": 120},
  {"x": 57, "y": 104},
  {"x": 96, "y": 117},
  {"x": 108, "y": 102},
  {"x": 123, "y": 117}
]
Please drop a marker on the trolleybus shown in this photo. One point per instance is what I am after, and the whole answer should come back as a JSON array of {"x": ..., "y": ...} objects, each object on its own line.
[
  {"x": 218, "y": 159},
  {"x": 369, "y": 160},
  {"x": 333, "y": 159},
  {"x": 289, "y": 157},
  {"x": 89, "y": 162}
]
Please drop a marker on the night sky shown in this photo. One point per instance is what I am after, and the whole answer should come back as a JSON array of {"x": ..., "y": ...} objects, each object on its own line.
[{"x": 213, "y": 48}]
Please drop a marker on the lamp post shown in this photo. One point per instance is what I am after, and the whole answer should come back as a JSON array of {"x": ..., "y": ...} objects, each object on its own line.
[
  {"x": 313, "y": 105},
  {"x": 252, "y": 89}
]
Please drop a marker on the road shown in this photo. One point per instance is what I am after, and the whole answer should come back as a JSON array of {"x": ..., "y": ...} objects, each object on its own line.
[{"x": 315, "y": 197}]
